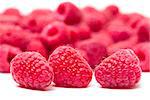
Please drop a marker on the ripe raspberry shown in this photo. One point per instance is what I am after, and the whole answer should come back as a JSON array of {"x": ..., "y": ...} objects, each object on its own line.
[
  {"x": 123, "y": 33},
  {"x": 94, "y": 19},
  {"x": 95, "y": 51},
  {"x": 111, "y": 11},
  {"x": 37, "y": 45},
  {"x": 36, "y": 23},
  {"x": 31, "y": 70},
  {"x": 69, "y": 13},
  {"x": 70, "y": 68},
  {"x": 143, "y": 30},
  {"x": 7, "y": 52},
  {"x": 129, "y": 43},
  {"x": 142, "y": 50},
  {"x": 12, "y": 11},
  {"x": 55, "y": 34},
  {"x": 120, "y": 70},
  {"x": 18, "y": 38},
  {"x": 103, "y": 38}
]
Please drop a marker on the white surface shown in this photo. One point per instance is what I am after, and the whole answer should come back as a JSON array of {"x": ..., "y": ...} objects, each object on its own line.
[{"x": 10, "y": 91}]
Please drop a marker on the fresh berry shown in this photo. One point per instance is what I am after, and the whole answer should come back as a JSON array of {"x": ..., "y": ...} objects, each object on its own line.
[
  {"x": 69, "y": 13},
  {"x": 143, "y": 30},
  {"x": 119, "y": 32},
  {"x": 120, "y": 70},
  {"x": 94, "y": 19},
  {"x": 129, "y": 43},
  {"x": 55, "y": 34},
  {"x": 70, "y": 68},
  {"x": 7, "y": 52},
  {"x": 12, "y": 11},
  {"x": 31, "y": 70},
  {"x": 95, "y": 51},
  {"x": 18, "y": 38},
  {"x": 111, "y": 11},
  {"x": 142, "y": 50},
  {"x": 103, "y": 38},
  {"x": 37, "y": 45}
]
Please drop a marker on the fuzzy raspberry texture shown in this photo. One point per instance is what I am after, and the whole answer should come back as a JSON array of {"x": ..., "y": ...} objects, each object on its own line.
[
  {"x": 31, "y": 70},
  {"x": 70, "y": 68},
  {"x": 120, "y": 70},
  {"x": 142, "y": 50},
  {"x": 7, "y": 52},
  {"x": 94, "y": 50},
  {"x": 69, "y": 13}
]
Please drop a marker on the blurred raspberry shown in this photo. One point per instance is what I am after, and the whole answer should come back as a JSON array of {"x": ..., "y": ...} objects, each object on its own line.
[
  {"x": 7, "y": 52},
  {"x": 142, "y": 50},
  {"x": 95, "y": 51},
  {"x": 69, "y": 13}
]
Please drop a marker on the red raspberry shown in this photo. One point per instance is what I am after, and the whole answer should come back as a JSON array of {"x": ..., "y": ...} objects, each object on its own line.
[
  {"x": 55, "y": 34},
  {"x": 120, "y": 70},
  {"x": 143, "y": 30},
  {"x": 103, "y": 38},
  {"x": 69, "y": 13},
  {"x": 134, "y": 19},
  {"x": 94, "y": 19},
  {"x": 129, "y": 43},
  {"x": 119, "y": 32},
  {"x": 18, "y": 38},
  {"x": 12, "y": 11},
  {"x": 7, "y": 52},
  {"x": 111, "y": 11},
  {"x": 70, "y": 68},
  {"x": 80, "y": 32},
  {"x": 31, "y": 70},
  {"x": 95, "y": 51},
  {"x": 142, "y": 50},
  {"x": 37, "y": 45},
  {"x": 36, "y": 23}
]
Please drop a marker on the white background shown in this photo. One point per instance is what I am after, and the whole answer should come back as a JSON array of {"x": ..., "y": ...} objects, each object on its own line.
[{"x": 10, "y": 91}]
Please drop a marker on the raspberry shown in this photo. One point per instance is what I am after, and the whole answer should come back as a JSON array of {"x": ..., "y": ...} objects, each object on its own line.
[
  {"x": 111, "y": 11},
  {"x": 7, "y": 52},
  {"x": 12, "y": 11},
  {"x": 95, "y": 51},
  {"x": 69, "y": 13},
  {"x": 142, "y": 50},
  {"x": 94, "y": 19},
  {"x": 120, "y": 70},
  {"x": 31, "y": 70},
  {"x": 36, "y": 23},
  {"x": 37, "y": 45},
  {"x": 103, "y": 38},
  {"x": 55, "y": 34},
  {"x": 70, "y": 68},
  {"x": 129, "y": 43},
  {"x": 18, "y": 38},
  {"x": 134, "y": 19},
  {"x": 143, "y": 30},
  {"x": 123, "y": 33}
]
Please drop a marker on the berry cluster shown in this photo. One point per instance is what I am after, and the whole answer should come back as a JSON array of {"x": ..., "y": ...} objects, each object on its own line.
[{"x": 67, "y": 45}]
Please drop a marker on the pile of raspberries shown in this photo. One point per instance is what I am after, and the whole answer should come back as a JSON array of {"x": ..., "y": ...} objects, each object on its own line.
[{"x": 66, "y": 46}]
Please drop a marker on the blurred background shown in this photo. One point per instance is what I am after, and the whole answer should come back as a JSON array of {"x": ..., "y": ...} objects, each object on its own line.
[{"x": 140, "y": 6}]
